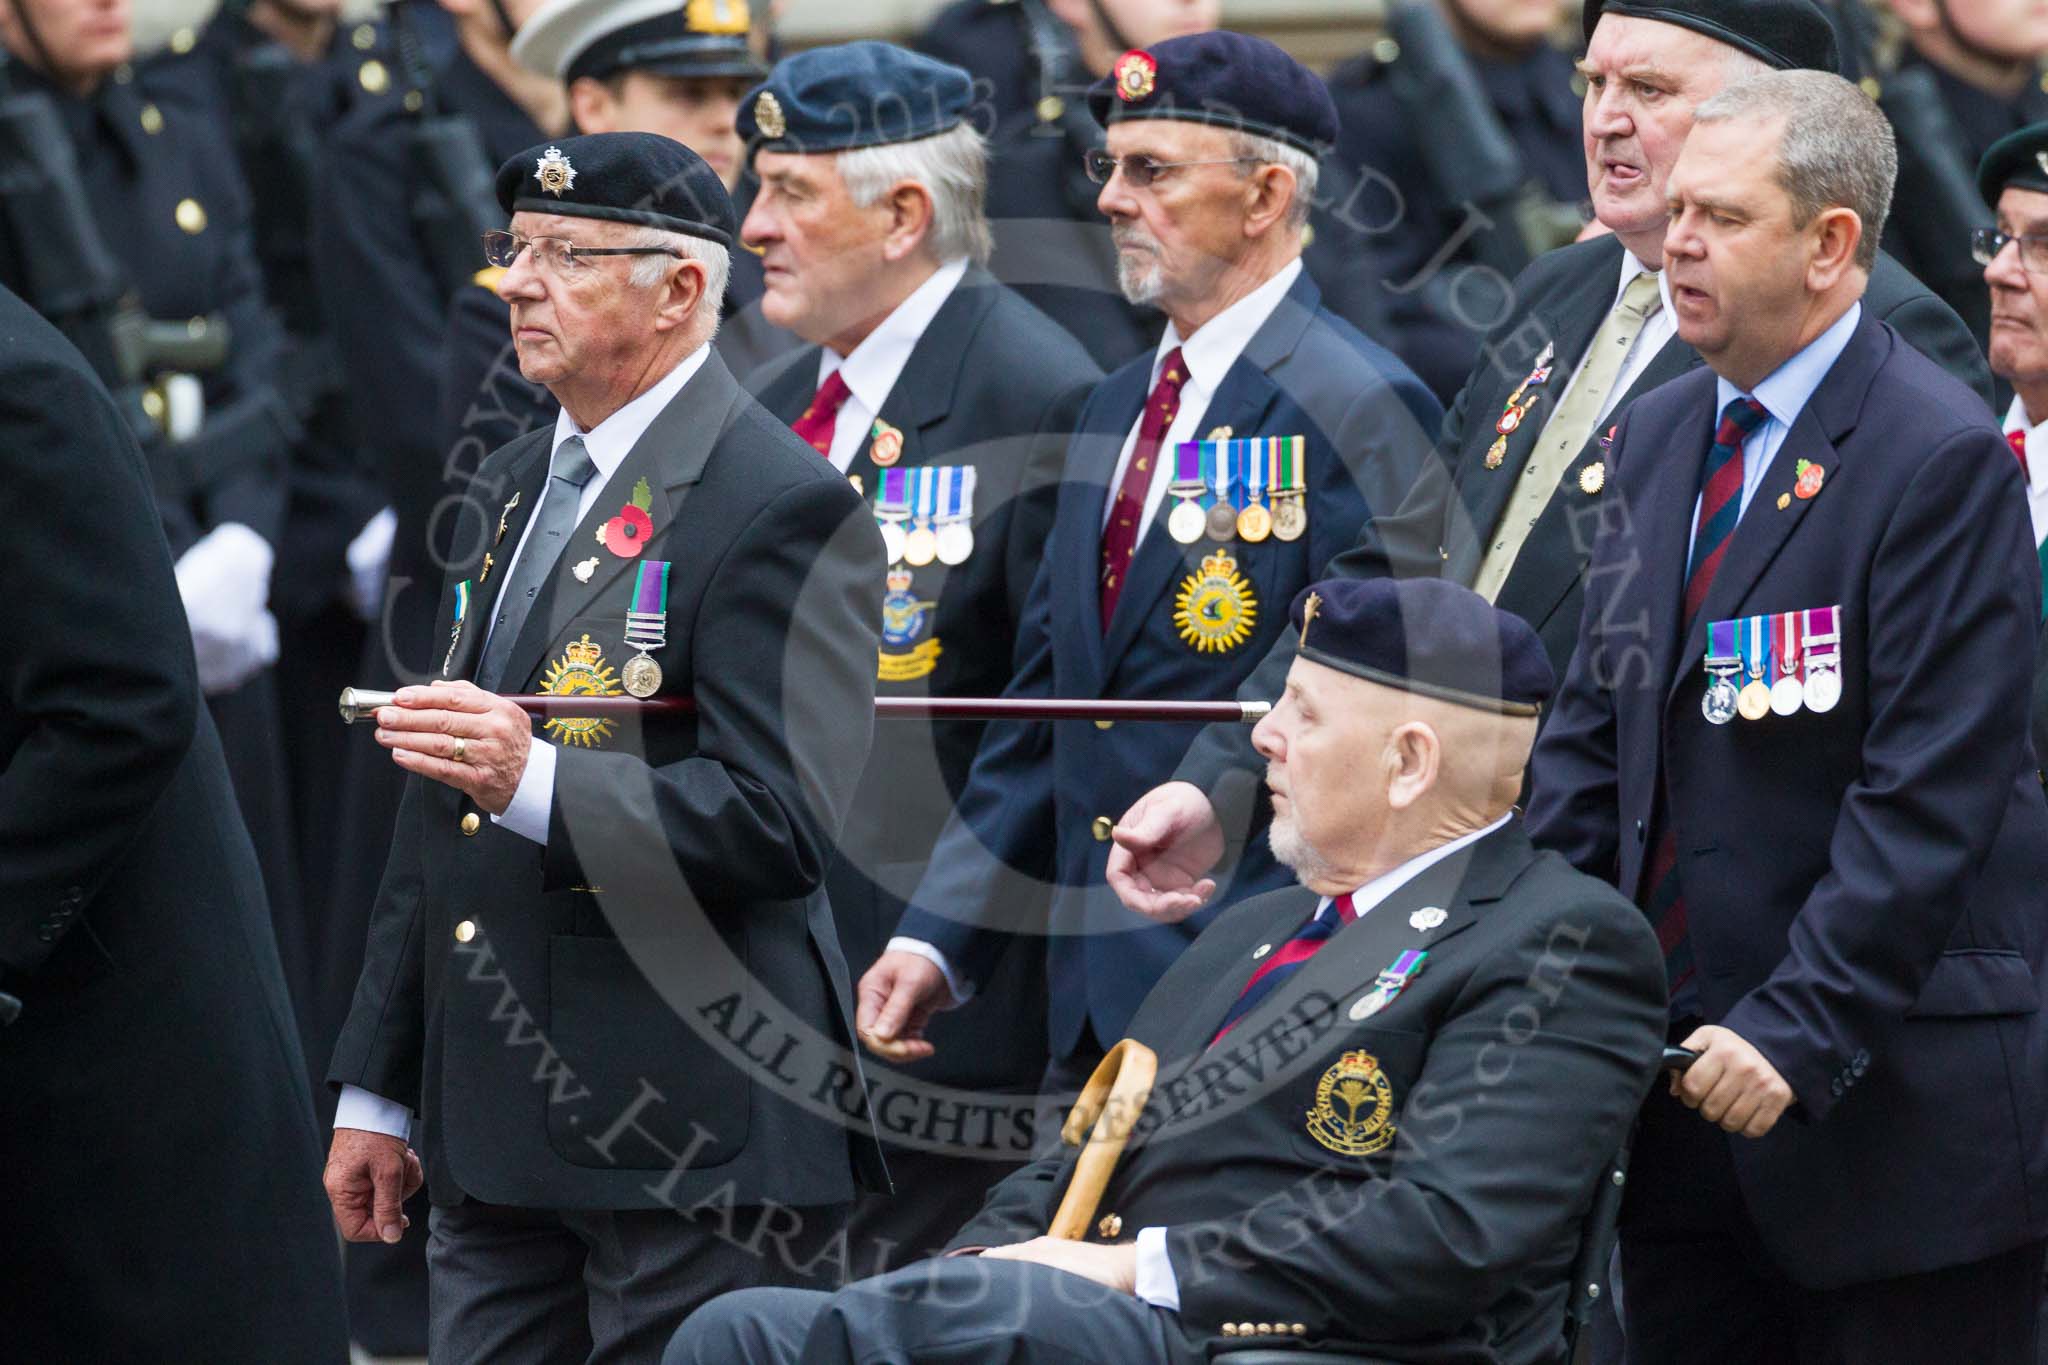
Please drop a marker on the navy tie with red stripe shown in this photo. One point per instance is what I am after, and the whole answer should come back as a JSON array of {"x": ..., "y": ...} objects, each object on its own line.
[
  {"x": 1720, "y": 508},
  {"x": 1306, "y": 943}
]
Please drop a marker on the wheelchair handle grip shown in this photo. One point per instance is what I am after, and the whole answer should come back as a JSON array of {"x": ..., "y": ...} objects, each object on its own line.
[{"x": 1678, "y": 1060}]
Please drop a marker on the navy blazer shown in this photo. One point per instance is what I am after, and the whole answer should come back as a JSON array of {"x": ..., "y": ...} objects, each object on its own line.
[
  {"x": 1041, "y": 796},
  {"x": 1863, "y": 885}
]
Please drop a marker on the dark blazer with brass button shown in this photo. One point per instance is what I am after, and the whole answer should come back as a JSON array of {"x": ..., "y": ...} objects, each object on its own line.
[
  {"x": 162, "y": 1165},
  {"x": 995, "y": 384},
  {"x": 659, "y": 986},
  {"x": 1411, "y": 1181},
  {"x": 1039, "y": 789},
  {"x": 1863, "y": 886}
]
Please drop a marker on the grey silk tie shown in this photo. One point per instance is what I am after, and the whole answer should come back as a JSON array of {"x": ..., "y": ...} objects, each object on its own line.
[{"x": 553, "y": 520}]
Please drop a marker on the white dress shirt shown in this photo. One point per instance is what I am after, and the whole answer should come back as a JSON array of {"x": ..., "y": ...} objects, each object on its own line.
[
  {"x": 1208, "y": 355},
  {"x": 1784, "y": 394},
  {"x": 2037, "y": 465},
  {"x": 1156, "y": 1284},
  {"x": 533, "y": 800},
  {"x": 872, "y": 368},
  {"x": 1657, "y": 332}
]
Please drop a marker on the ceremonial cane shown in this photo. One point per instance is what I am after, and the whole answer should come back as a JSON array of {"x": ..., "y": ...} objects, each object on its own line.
[
  {"x": 359, "y": 706},
  {"x": 1110, "y": 1103}
]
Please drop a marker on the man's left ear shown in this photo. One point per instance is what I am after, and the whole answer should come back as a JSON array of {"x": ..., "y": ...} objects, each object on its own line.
[
  {"x": 1268, "y": 195},
  {"x": 680, "y": 291},
  {"x": 1838, "y": 232},
  {"x": 910, "y": 220}
]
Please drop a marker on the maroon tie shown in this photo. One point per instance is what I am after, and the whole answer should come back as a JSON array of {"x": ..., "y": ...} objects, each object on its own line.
[
  {"x": 2018, "y": 440},
  {"x": 822, "y": 416},
  {"x": 1127, "y": 512}
]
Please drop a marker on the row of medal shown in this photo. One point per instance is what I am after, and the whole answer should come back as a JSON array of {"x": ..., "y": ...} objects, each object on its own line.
[
  {"x": 1773, "y": 665},
  {"x": 1248, "y": 489},
  {"x": 936, "y": 503}
]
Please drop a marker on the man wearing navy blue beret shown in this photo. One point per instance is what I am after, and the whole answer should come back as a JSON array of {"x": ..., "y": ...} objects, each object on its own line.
[
  {"x": 576, "y": 926},
  {"x": 1204, "y": 485},
  {"x": 1385, "y": 1096},
  {"x": 948, "y": 401}
]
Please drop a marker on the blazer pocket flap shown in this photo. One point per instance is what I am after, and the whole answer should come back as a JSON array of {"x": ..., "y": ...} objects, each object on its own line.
[{"x": 1977, "y": 982}]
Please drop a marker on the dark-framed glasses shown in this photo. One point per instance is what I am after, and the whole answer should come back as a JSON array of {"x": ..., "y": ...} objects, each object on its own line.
[
  {"x": 1141, "y": 171},
  {"x": 1986, "y": 243},
  {"x": 558, "y": 255}
]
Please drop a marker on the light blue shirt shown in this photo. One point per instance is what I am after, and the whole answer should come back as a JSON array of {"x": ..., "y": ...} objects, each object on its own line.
[{"x": 1784, "y": 395}]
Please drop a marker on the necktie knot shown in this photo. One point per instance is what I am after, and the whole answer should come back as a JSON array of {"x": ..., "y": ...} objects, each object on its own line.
[
  {"x": 1173, "y": 375},
  {"x": 572, "y": 463},
  {"x": 1346, "y": 911},
  {"x": 2018, "y": 441},
  {"x": 1739, "y": 419},
  {"x": 1642, "y": 296}
]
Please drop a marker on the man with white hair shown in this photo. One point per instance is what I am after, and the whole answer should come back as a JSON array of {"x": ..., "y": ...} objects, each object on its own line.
[
  {"x": 1204, "y": 484},
  {"x": 573, "y": 928},
  {"x": 925, "y": 382}
]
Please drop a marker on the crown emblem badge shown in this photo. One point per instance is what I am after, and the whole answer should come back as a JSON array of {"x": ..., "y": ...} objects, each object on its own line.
[{"x": 555, "y": 173}]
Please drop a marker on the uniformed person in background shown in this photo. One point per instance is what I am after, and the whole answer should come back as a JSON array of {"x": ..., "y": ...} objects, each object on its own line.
[
  {"x": 1052, "y": 244},
  {"x": 155, "y": 183},
  {"x": 395, "y": 238},
  {"x": 1983, "y": 62},
  {"x": 1021, "y": 52},
  {"x": 284, "y": 72},
  {"x": 1397, "y": 236},
  {"x": 948, "y": 400},
  {"x": 1205, "y": 484},
  {"x": 649, "y": 66},
  {"x": 1341, "y": 1150}
]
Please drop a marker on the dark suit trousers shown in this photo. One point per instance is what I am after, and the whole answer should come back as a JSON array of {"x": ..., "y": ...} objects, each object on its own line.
[
  {"x": 518, "y": 1286},
  {"x": 1698, "y": 1288},
  {"x": 959, "y": 1311}
]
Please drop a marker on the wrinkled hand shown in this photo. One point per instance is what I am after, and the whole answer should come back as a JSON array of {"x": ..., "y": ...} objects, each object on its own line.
[
  {"x": 422, "y": 725},
  {"x": 369, "y": 1177},
  {"x": 1732, "y": 1084},
  {"x": 1115, "y": 1266},
  {"x": 1166, "y": 845},
  {"x": 897, "y": 998}
]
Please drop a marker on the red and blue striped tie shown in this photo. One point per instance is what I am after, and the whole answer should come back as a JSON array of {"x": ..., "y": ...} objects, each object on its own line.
[
  {"x": 1306, "y": 943},
  {"x": 1720, "y": 509}
]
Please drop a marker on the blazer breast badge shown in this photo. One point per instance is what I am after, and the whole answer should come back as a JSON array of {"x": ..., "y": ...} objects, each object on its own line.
[
  {"x": 580, "y": 672},
  {"x": 1354, "y": 1111}
]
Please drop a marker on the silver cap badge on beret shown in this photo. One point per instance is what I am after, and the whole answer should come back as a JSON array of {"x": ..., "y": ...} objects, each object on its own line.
[
  {"x": 768, "y": 115},
  {"x": 555, "y": 173}
]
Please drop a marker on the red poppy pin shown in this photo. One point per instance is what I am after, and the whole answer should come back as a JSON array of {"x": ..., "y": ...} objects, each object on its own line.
[
  {"x": 627, "y": 534},
  {"x": 1811, "y": 476}
]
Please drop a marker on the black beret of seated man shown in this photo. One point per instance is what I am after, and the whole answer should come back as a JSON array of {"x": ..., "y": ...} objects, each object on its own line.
[{"x": 1384, "y": 1097}]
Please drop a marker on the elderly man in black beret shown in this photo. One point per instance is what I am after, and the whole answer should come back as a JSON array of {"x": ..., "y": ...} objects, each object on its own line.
[
  {"x": 576, "y": 928},
  {"x": 1385, "y": 1095}
]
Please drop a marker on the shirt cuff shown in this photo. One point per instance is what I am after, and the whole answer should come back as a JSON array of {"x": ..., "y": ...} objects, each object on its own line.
[
  {"x": 1156, "y": 1284},
  {"x": 963, "y": 991},
  {"x": 358, "y": 1108},
  {"x": 533, "y": 801}
]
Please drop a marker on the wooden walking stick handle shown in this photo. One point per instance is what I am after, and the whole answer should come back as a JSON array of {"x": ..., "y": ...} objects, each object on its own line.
[{"x": 1109, "y": 1105}]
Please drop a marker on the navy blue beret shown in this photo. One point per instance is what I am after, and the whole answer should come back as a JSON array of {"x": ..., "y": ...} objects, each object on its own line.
[
  {"x": 2016, "y": 161},
  {"x": 1790, "y": 35},
  {"x": 572, "y": 39},
  {"x": 1426, "y": 636},
  {"x": 641, "y": 178},
  {"x": 1230, "y": 80},
  {"x": 866, "y": 94}
]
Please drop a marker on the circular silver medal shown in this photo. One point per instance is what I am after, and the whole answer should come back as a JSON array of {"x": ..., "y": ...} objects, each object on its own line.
[
  {"x": 1185, "y": 523},
  {"x": 892, "y": 541},
  {"x": 1718, "y": 705},
  {"x": 1823, "y": 689},
  {"x": 956, "y": 542},
  {"x": 1787, "y": 696},
  {"x": 641, "y": 675},
  {"x": 1222, "y": 522}
]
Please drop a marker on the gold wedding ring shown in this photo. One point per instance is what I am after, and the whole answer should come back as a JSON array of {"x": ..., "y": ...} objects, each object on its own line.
[{"x": 461, "y": 750}]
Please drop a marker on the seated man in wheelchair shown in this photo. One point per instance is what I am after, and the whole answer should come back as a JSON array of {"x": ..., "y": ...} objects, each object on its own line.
[{"x": 1383, "y": 1099}]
